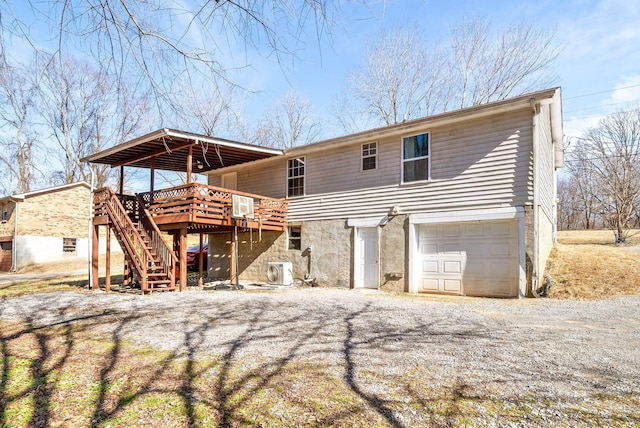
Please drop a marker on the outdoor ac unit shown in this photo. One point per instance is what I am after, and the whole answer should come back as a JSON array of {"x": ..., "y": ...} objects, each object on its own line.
[
  {"x": 241, "y": 206},
  {"x": 280, "y": 273}
]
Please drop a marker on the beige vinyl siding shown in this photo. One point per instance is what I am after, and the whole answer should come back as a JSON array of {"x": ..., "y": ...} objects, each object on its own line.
[
  {"x": 545, "y": 165},
  {"x": 479, "y": 164},
  {"x": 483, "y": 163}
]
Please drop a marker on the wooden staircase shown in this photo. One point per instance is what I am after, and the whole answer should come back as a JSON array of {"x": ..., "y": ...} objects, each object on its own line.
[{"x": 149, "y": 256}]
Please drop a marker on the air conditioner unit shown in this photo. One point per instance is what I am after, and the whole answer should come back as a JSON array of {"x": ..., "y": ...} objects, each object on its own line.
[
  {"x": 241, "y": 206},
  {"x": 280, "y": 273}
]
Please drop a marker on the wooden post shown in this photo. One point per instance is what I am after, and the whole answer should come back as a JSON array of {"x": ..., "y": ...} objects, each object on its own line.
[
  {"x": 144, "y": 281},
  {"x": 183, "y": 258},
  {"x": 232, "y": 260},
  {"x": 126, "y": 275},
  {"x": 121, "y": 183},
  {"x": 200, "y": 258},
  {"x": 94, "y": 258},
  {"x": 107, "y": 265},
  {"x": 152, "y": 174},
  {"x": 189, "y": 166}
]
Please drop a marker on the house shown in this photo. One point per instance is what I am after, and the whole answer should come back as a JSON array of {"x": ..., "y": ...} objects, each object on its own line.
[
  {"x": 44, "y": 225},
  {"x": 460, "y": 203}
]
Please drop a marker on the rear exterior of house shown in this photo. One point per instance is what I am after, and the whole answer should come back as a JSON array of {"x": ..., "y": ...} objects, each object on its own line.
[
  {"x": 459, "y": 203},
  {"x": 44, "y": 225}
]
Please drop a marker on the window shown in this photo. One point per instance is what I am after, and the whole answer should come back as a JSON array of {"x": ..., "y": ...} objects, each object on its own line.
[
  {"x": 6, "y": 246},
  {"x": 369, "y": 156},
  {"x": 69, "y": 245},
  {"x": 4, "y": 212},
  {"x": 295, "y": 237},
  {"x": 415, "y": 158},
  {"x": 295, "y": 177}
]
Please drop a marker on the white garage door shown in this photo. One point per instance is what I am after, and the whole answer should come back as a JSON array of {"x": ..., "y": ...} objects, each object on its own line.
[{"x": 475, "y": 258}]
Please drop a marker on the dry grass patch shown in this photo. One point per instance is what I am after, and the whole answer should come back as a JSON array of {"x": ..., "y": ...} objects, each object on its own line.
[{"x": 587, "y": 265}]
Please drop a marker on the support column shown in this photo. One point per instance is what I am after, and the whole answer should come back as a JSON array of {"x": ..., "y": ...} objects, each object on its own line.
[
  {"x": 232, "y": 260},
  {"x": 121, "y": 183},
  {"x": 189, "y": 162},
  {"x": 107, "y": 264},
  {"x": 183, "y": 258},
  {"x": 200, "y": 258},
  {"x": 94, "y": 258}
]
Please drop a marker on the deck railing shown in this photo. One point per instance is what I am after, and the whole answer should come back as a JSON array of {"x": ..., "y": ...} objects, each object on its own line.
[{"x": 208, "y": 205}]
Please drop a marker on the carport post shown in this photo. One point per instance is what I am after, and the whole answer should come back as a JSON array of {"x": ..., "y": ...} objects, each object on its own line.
[
  {"x": 94, "y": 258},
  {"x": 107, "y": 262},
  {"x": 200, "y": 257}
]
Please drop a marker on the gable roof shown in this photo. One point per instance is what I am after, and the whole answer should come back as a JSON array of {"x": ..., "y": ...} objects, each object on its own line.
[
  {"x": 169, "y": 150},
  {"x": 23, "y": 196}
]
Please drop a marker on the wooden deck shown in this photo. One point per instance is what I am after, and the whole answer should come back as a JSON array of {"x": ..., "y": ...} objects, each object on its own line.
[
  {"x": 200, "y": 208},
  {"x": 137, "y": 222}
]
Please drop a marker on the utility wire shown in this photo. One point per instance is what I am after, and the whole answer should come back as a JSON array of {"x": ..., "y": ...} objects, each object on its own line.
[{"x": 601, "y": 92}]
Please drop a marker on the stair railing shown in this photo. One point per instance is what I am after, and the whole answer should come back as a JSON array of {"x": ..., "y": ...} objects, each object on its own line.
[
  {"x": 129, "y": 235},
  {"x": 159, "y": 244}
]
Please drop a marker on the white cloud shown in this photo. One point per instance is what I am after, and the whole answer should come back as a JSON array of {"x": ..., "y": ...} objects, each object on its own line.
[{"x": 626, "y": 91}]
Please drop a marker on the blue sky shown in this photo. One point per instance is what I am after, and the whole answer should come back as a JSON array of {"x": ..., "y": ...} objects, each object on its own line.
[
  {"x": 600, "y": 54},
  {"x": 598, "y": 67}
]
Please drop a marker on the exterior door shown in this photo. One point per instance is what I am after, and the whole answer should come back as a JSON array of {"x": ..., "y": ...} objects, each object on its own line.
[
  {"x": 367, "y": 270},
  {"x": 6, "y": 256},
  {"x": 230, "y": 181}
]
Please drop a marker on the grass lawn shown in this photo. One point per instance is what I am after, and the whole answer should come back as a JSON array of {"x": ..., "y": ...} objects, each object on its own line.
[{"x": 586, "y": 264}]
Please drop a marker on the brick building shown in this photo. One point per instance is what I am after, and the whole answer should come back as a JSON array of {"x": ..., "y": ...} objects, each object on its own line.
[{"x": 44, "y": 225}]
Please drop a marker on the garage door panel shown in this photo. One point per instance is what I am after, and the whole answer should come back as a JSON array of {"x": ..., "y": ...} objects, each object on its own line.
[
  {"x": 429, "y": 284},
  {"x": 430, "y": 266},
  {"x": 474, "y": 258},
  {"x": 452, "y": 267},
  {"x": 451, "y": 248},
  {"x": 452, "y": 285}
]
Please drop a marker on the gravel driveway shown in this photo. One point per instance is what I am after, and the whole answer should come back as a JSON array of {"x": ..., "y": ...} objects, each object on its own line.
[{"x": 560, "y": 355}]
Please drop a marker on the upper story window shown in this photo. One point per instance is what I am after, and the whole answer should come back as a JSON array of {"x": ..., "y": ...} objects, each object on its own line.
[
  {"x": 4, "y": 212},
  {"x": 295, "y": 176},
  {"x": 369, "y": 156},
  {"x": 415, "y": 158}
]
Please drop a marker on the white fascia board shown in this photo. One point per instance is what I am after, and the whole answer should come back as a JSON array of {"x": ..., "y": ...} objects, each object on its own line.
[
  {"x": 368, "y": 221},
  {"x": 505, "y": 213}
]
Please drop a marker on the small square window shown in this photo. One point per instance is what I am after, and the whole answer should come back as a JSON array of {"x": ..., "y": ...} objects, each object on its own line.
[
  {"x": 69, "y": 245},
  {"x": 369, "y": 156},
  {"x": 295, "y": 237},
  {"x": 6, "y": 246}
]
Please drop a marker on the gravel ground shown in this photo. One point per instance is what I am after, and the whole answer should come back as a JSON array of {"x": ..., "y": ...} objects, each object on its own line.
[{"x": 562, "y": 354}]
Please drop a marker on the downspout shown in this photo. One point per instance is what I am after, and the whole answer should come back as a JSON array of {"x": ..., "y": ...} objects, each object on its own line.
[
  {"x": 535, "y": 105},
  {"x": 14, "y": 249}
]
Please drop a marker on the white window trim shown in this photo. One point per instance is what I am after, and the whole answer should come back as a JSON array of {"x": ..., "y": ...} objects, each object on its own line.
[
  {"x": 403, "y": 160},
  {"x": 304, "y": 176},
  {"x": 369, "y": 156}
]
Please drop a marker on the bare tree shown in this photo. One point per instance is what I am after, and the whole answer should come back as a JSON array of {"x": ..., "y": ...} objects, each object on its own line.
[
  {"x": 291, "y": 124},
  {"x": 614, "y": 146},
  {"x": 85, "y": 110},
  {"x": 487, "y": 66},
  {"x": 584, "y": 182},
  {"x": 401, "y": 78},
  {"x": 159, "y": 41},
  {"x": 17, "y": 110},
  {"x": 213, "y": 108}
]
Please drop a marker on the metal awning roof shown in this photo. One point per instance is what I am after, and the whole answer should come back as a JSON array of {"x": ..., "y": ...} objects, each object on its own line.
[{"x": 169, "y": 150}]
